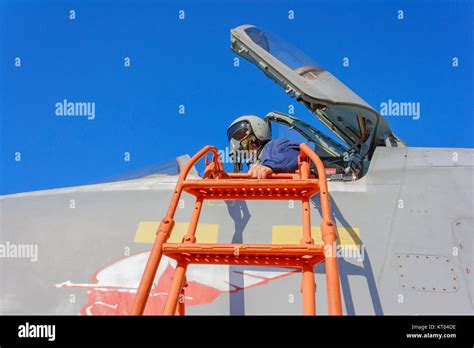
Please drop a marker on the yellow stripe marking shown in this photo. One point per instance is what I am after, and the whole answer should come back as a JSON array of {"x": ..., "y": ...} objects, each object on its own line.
[
  {"x": 205, "y": 233},
  {"x": 211, "y": 203},
  {"x": 292, "y": 234}
]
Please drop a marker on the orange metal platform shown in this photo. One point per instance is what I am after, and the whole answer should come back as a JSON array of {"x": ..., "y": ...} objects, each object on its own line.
[{"x": 217, "y": 184}]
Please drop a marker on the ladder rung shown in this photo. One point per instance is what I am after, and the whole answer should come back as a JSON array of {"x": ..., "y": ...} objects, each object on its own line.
[
  {"x": 267, "y": 250},
  {"x": 251, "y": 189},
  {"x": 246, "y": 254}
]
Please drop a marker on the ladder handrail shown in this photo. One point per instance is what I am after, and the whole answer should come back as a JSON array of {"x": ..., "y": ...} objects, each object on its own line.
[
  {"x": 329, "y": 236},
  {"x": 305, "y": 152},
  {"x": 183, "y": 175},
  {"x": 325, "y": 210}
]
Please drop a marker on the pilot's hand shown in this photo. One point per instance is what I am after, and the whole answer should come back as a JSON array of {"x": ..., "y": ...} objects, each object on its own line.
[{"x": 260, "y": 172}]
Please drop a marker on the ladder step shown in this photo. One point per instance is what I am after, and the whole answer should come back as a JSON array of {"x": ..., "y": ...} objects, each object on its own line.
[
  {"x": 281, "y": 255},
  {"x": 251, "y": 189}
]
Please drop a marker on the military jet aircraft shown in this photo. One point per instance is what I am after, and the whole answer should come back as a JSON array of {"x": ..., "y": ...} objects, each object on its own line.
[{"x": 404, "y": 219}]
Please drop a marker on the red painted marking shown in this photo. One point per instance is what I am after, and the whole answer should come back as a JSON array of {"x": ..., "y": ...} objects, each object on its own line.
[{"x": 106, "y": 299}]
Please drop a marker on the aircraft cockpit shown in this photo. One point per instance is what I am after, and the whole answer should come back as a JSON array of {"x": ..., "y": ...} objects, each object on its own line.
[{"x": 358, "y": 127}]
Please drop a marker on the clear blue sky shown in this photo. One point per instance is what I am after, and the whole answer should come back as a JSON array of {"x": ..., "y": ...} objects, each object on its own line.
[{"x": 189, "y": 62}]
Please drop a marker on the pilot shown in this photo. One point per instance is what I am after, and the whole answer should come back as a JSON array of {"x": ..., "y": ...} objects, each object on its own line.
[{"x": 251, "y": 143}]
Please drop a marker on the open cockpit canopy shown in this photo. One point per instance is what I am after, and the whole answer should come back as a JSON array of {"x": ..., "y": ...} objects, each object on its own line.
[{"x": 354, "y": 121}]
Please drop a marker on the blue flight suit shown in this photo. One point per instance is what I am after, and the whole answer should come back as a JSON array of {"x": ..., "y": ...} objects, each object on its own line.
[{"x": 281, "y": 155}]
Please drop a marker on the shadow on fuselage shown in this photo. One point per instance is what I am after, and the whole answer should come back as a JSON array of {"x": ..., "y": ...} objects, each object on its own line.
[
  {"x": 347, "y": 268},
  {"x": 240, "y": 214}
]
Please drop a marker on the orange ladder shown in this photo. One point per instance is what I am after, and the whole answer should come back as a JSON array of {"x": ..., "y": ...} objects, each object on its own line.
[{"x": 218, "y": 185}]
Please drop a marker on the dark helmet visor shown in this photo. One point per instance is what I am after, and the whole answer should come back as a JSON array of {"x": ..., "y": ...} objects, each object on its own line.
[{"x": 239, "y": 130}]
